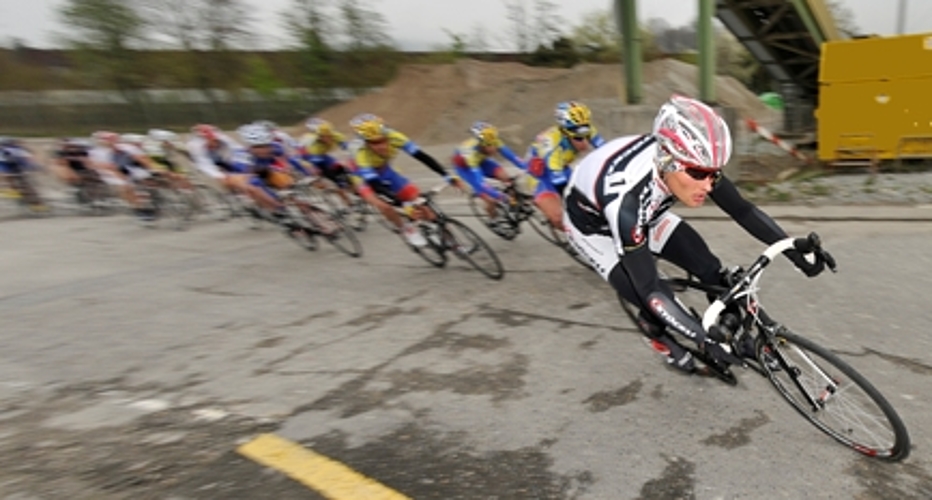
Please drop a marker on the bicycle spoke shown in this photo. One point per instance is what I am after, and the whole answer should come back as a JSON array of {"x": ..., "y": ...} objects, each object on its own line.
[
  {"x": 834, "y": 397},
  {"x": 433, "y": 252},
  {"x": 467, "y": 245}
]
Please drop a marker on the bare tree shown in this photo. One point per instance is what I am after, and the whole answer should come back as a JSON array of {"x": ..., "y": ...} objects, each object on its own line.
[
  {"x": 209, "y": 33},
  {"x": 597, "y": 33},
  {"x": 479, "y": 38},
  {"x": 546, "y": 26},
  {"x": 310, "y": 29},
  {"x": 104, "y": 33},
  {"x": 517, "y": 15},
  {"x": 200, "y": 24},
  {"x": 844, "y": 18},
  {"x": 363, "y": 29}
]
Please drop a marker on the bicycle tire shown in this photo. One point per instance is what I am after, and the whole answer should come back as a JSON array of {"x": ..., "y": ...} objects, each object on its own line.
[
  {"x": 890, "y": 426},
  {"x": 539, "y": 223},
  {"x": 215, "y": 204},
  {"x": 434, "y": 252},
  {"x": 331, "y": 228},
  {"x": 169, "y": 205},
  {"x": 355, "y": 215},
  {"x": 344, "y": 239},
  {"x": 469, "y": 246},
  {"x": 304, "y": 237},
  {"x": 505, "y": 227}
]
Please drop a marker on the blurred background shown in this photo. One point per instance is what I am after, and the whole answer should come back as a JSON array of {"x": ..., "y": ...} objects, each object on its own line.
[{"x": 75, "y": 66}]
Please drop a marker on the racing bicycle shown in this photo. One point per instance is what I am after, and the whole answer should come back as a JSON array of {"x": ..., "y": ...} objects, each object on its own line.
[
  {"x": 446, "y": 235},
  {"x": 310, "y": 219},
  {"x": 817, "y": 383},
  {"x": 510, "y": 213}
]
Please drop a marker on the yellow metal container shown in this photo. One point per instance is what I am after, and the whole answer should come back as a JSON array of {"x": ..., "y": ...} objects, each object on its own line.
[{"x": 875, "y": 99}]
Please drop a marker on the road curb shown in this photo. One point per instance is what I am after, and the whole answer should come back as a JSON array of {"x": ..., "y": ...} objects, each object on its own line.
[{"x": 833, "y": 213}]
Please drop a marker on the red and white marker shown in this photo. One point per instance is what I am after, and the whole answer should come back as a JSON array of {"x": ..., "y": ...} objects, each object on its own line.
[{"x": 766, "y": 134}]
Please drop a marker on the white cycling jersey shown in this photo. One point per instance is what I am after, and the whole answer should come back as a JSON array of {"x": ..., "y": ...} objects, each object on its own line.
[{"x": 216, "y": 163}]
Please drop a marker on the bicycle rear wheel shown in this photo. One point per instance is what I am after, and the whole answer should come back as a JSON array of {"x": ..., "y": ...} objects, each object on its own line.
[
  {"x": 213, "y": 203},
  {"x": 833, "y": 396},
  {"x": 467, "y": 245},
  {"x": 503, "y": 226},
  {"x": 433, "y": 252},
  {"x": 354, "y": 215},
  {"x": 330, "y": 228},
  {"x": 304, "y": 237},
  {"x": 341, "y": 237},
  {"x": 172, "y": 207}
]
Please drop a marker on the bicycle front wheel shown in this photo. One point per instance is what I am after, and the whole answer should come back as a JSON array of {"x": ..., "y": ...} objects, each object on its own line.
[
  {"x": 172, "y": 206},
  {"x": 213, "y": 203},
  {"x": 433, "y": 252},
  {"x": 332, "y": 229},
  {"x": 467, "y": 245},
  {"x": 833, "y": 396},
  {"x": 344, "y": 239},
  {"x": 542, "y": 226}
]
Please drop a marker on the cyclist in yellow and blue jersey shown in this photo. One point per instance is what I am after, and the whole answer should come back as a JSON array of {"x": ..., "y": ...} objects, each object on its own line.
[
  {"x": 554, "y": 150},
  {"x": 474, "y": 162},
  {"x": 373, "y": 174},
  {"x": 317, "y": 148}
]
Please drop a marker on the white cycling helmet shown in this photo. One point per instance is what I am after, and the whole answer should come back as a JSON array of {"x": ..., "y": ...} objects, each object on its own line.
[
  {"x": 692, "y": 135},
  {"x": 160, "y": 135},
  {"x": 135, "y": 139},
  {"x": 255, "y": 134}
]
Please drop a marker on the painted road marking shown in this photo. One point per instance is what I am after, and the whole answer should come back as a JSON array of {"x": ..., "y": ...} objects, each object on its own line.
[{"x": 328, "y": 477}]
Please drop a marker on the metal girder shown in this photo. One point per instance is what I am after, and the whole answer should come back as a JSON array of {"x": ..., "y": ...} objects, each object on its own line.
[
  {"x": 779, "y": 34},
  {"x": 785, "y": 36},
  {"x": 774, "y": 18}
]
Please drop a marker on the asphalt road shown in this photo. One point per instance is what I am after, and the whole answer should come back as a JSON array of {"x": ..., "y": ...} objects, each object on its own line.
[{"x": 135, "y": 360}]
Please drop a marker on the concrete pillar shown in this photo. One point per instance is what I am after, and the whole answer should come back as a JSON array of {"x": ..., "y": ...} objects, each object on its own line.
[
  {"x": 706, "y": 51},
  {"x": 627, "y": 21}
]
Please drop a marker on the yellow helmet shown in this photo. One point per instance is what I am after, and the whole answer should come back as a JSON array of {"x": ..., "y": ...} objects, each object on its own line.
[
  {"x": 574, "y": 118},
  {"x": 368, "y": 127},
  {"x": 486, "y": 133},
  {"x": 319, "y": 126}
]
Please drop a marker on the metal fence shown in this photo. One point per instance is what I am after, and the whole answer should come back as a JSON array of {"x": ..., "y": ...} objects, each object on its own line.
[{"x": 79, "y": 113}]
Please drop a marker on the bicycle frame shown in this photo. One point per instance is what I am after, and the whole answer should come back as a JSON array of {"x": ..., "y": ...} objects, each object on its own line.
[{"x": 745, "y": 290}]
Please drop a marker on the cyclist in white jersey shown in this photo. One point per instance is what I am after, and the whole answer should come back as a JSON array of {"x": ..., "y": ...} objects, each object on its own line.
[{"x": 616, "y": 214}]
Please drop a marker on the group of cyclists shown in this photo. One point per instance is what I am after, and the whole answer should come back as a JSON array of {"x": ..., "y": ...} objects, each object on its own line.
[{"x": 613, "y": 206}]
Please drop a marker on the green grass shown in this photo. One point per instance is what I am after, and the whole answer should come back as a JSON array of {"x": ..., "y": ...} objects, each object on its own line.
[{"x": 778, "y": 195}]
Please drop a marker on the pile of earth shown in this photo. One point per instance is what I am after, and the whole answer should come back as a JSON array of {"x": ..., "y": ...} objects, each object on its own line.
[{"x": 434, "y": 104}]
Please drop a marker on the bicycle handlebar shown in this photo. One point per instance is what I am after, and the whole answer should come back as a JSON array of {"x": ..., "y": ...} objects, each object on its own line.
[
  {"x": 420, "y": 200},
  {"x": 810, "y": 244}
]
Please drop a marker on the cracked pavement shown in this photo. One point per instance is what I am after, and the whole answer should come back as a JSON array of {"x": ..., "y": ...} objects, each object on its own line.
[{"x": 135, "y": 360}]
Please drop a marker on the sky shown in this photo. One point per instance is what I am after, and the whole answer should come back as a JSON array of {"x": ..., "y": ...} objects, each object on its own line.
[{"x": 424, "y": 24}]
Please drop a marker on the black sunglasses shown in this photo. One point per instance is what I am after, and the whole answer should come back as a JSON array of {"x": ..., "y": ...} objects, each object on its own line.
[{"x": 701, "y": 175}]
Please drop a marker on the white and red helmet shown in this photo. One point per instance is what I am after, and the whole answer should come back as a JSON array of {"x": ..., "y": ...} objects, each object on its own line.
[{"x": 692, "y": 134}]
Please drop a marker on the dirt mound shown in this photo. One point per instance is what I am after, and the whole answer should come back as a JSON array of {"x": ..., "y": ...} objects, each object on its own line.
[{"x": 436, "y": 103}]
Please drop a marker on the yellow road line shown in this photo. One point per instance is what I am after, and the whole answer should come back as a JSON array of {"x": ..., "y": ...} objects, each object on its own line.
[{"x": 328, "y": 477}]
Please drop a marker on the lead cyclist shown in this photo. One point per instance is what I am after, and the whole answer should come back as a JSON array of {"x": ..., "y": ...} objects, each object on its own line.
[{"x": 616, "y": 214}]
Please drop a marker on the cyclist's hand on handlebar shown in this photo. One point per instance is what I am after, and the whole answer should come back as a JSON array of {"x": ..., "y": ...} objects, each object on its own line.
[
  {"x": 457, "y": 183},
  {"x": 810, "y": 268},
  {"x": 809, "y": 256}
]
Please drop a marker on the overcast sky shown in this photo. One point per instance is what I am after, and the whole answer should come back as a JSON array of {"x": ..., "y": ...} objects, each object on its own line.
[{"x": 420, "y": 24}]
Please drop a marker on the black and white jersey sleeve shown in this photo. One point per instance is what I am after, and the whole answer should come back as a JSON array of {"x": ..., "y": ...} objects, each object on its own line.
[{"x": 616, "y": 193}]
